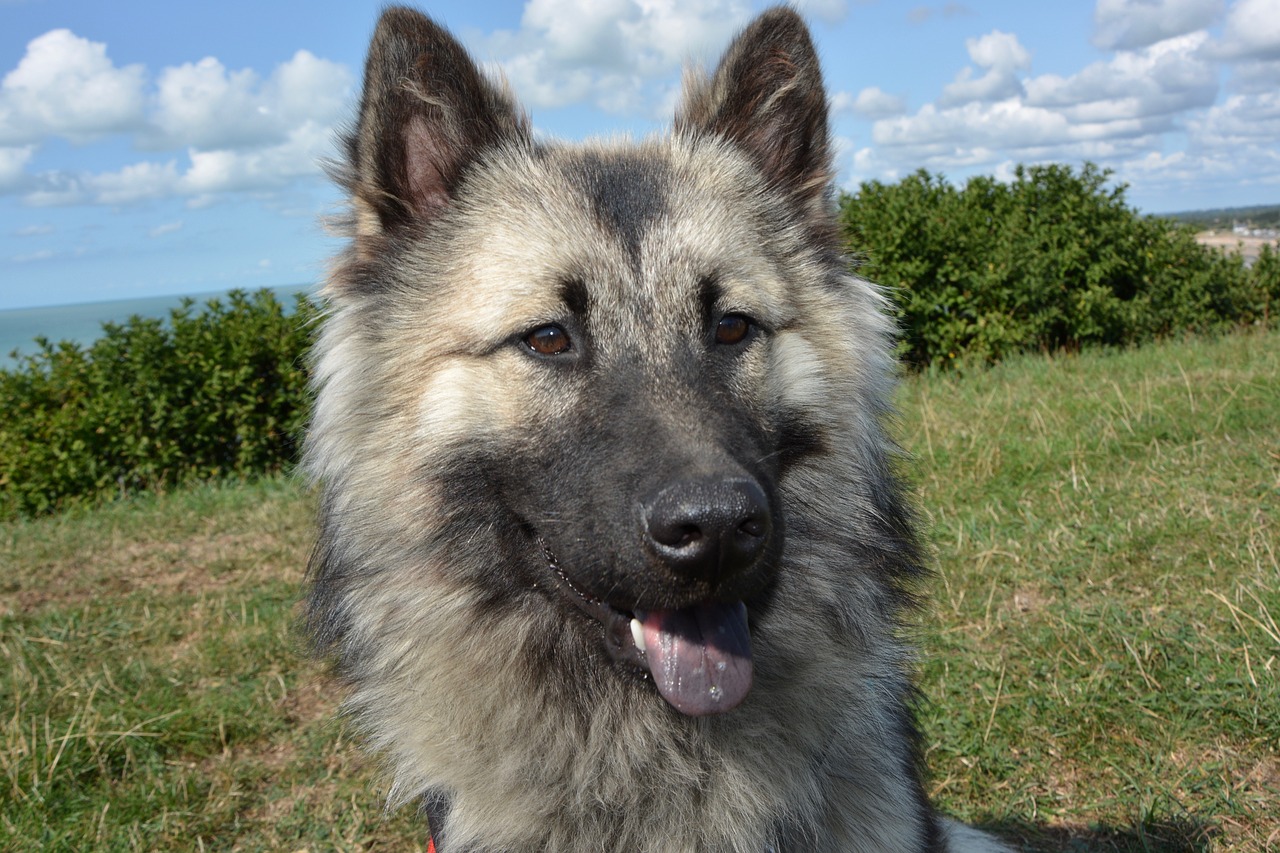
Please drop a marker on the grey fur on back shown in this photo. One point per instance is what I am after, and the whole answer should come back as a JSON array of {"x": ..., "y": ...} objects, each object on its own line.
[{"x": 459, "y": 475}]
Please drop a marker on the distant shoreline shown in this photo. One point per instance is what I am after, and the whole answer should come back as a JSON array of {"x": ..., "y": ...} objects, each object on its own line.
[
  {"x": 175, "y": 298},
  {"x": 82, "y": 321}
]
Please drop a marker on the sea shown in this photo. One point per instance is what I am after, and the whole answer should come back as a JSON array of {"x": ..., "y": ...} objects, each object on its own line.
[{"x": 82, "y": 322}]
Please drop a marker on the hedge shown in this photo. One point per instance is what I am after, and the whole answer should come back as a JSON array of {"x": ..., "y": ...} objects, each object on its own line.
[
  {"x": 1052, "y": 260},
  {"x": 209, "y": 394}
]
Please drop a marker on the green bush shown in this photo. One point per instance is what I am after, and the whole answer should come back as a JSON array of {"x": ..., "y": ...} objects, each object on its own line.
[
  {"x": 1053, "y": 260},
  {"x": 215, "y": 393}
]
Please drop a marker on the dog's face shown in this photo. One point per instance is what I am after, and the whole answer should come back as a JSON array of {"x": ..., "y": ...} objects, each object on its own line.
[{"x": 603, "y": 356}]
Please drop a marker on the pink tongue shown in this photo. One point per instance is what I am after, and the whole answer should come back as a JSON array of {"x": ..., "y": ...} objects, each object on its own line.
[{"x": 700, "y": 657}]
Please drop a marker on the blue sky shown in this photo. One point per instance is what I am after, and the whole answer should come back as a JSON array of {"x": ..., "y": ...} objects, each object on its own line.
[{"x": 151, "y": 148}]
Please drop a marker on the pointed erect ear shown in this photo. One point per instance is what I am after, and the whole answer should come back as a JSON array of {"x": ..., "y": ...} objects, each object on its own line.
[
  {"x": 767, "y": 97},
  {"x": 426, "y": 113}
]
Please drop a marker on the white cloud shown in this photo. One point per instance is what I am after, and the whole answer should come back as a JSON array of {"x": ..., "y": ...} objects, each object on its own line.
[
  {"x": 1133, "y": 95},
  {"x": 1251, "y": 119},
  {"x": 310, "y": 88},
  {"x": 1168, "y": 77},
  {"x": 1252, "y": 31},
  {"x": 1129, "y": 24},
  {"x": 34, "y": 230},
  {"x": 872, "y": 102},
  {"x": 13, "y": 162},
  {"x": 240, "y": 131},
  {"x": 864, "y": 160},
  {"x": 33, "y": 257},
  {"x": 1255, "y": 75},
  {"x": 55, "y": 189},
  {"x": 66, "y": 86},
  {"x": 271, "y": 167},
  {"x": 998, "y": 50},
  {"x": 1007, "y": 123},
  {"x": 130, "y": 184},
  {"x": 165, "y": 228},
  {"x": 1108, "y": 109},
  {"x": 137, "y": 182},
  {"x": 204, "y": 105},
  {"x": 210, "y": 174},
  {"x": 1003, "y": 56},
  {"x": 1208, "y": 171},
  {"x": 609, "y": 52}
]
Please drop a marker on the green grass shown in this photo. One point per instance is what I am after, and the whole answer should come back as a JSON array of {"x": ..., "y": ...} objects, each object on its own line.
[
  {"x": 154, "y": 697},
  {"x": 1102, "y": 653}
]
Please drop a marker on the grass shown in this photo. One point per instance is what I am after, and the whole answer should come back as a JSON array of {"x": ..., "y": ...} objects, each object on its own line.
[
  {"x": 154, "y": 696},
  {"x": 1102, "y": 654},
  {"x": 1102, "y": 658}
]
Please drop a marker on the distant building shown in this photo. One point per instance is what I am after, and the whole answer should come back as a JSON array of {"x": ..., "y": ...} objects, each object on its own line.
[{"x": 1240, "y": 229}]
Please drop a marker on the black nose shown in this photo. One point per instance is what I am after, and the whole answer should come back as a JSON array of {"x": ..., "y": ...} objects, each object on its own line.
[{"x": 709, "y": 529}]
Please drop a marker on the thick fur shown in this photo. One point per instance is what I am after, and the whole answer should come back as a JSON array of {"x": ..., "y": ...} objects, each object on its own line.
[{"x": 471, "y": 487}]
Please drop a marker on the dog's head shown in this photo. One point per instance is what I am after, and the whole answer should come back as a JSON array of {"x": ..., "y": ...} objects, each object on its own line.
[{"x": 582, "y": 373}]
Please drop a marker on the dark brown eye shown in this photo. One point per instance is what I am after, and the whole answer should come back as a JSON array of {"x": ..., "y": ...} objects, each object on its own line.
[
  {"x": 548, "y": 340},
  {"x": 732, "y": 329}
]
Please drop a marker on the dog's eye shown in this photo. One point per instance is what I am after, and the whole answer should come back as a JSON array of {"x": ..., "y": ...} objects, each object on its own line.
[
  {"x": 733, "y": 329},
  {"x": 548, "y": 340}
]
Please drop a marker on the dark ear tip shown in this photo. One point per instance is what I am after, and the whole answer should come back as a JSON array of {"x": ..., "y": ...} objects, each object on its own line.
[
  {"x": 401, "y": 26},
  {"x": 401, "y": 16},
  {"x": 779, "y": 34},
  {"x": 405, "y": 41},
  {"x": 782, "y": 23},
  {"x": 781, "y": 16}
]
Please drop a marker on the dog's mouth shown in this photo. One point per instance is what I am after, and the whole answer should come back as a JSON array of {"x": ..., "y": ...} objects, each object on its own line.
[{"x": 699, "y": 657}]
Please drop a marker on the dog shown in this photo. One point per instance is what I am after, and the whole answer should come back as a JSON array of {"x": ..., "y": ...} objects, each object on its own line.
[{"x": 612, "y": 554}]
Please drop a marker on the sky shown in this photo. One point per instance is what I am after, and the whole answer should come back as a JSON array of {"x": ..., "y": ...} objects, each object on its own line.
[{"x": 154, "y": 148}]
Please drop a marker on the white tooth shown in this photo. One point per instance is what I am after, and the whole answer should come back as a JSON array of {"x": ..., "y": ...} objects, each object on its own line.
[
  {"x": 637, "y": 634},
  {"x": 742, "y": 605}
]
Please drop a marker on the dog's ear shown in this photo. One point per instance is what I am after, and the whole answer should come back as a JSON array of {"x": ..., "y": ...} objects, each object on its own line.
[
  {"x": 426, "y": 113},
  {"x": 767, "y": 97}
]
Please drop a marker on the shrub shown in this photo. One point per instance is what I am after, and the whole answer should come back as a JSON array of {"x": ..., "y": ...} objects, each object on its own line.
[
  {"x": 215, "y": 393},
  {"x": 1053, "y": 260}
]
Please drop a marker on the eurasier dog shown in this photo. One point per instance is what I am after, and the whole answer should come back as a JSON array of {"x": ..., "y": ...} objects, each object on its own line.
[{"x": 612, "y": 551}]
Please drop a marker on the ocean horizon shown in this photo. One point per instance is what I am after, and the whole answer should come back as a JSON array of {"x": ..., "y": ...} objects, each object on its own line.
[{"x": 81, "y": 322}]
